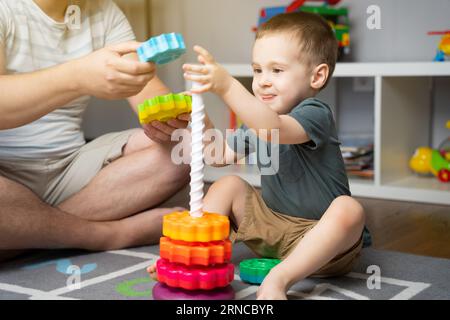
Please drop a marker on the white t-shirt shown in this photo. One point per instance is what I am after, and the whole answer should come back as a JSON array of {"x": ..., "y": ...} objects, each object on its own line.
[{"x": 33, "y": 41}]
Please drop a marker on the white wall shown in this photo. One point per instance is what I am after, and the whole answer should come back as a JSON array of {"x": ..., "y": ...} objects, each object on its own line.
[{"x": 224, "y": 27}]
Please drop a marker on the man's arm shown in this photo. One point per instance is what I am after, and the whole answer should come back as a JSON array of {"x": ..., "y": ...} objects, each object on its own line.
[
  {"x": 27, "y": 97},
  {"x": 153, "y": 88},
  {"x": 159, "y": 132},
  {"x": 103, "y": 73}
]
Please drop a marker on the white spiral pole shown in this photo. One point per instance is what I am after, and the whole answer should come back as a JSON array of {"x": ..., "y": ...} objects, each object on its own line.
[{"x": 197, "y": 126}]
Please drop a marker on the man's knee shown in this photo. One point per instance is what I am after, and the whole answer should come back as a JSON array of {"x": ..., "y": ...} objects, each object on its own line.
[
  {"x": 159, "y": 157},
  {"x": 177, "y": 174},
  {"x": 138, "y": 141}
]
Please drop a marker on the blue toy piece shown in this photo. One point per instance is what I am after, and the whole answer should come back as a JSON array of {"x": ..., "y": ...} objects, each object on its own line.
[
  {"x": 440, "y": 56},
  {"x": 162, "y": 49}
]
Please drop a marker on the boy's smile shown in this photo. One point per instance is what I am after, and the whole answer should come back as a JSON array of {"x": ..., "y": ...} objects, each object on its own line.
[
  {"x": 281, "y": 79},
  {"x": 268, "y": 97}
]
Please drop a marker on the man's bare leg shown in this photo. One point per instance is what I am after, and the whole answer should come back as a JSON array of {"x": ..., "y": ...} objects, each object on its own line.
[
  {"x": 336, "y": 232},
  {"x": 144, "y": 177},
  {"x": 28, "y": 223}
]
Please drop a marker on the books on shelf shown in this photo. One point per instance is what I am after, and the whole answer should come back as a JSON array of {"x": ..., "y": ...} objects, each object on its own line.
[{"x": 358, "y": 160}]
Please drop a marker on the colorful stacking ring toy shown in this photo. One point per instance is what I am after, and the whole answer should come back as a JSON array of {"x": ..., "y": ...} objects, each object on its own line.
[
  {"x": 162, "y": 49},
  {"x": 195, "y": 255},
  {"x": 164, "y": 108},
  {"x": 182, "y": 226},
  {"x": 195, "y": 250},
  {"x": 194, "y": 277},
  {"x": 255, "y": 270},
  {"x": 164, "y": 292}
]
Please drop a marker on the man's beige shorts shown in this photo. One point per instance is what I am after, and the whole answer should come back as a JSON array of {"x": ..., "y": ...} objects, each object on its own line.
[
  {"x": 55, "y": 180},
  {"x": 274, "y": 235}
]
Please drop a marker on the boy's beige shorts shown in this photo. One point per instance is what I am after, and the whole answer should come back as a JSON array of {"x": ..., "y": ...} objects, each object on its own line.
[
  {"x": 274, "y": 235},
  {"x": 55, "y": 180}
]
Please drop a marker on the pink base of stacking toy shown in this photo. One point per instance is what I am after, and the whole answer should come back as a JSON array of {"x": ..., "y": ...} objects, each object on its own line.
[
  {"x": 194, "y": 277},
  {"x": 164, "y": 292}
]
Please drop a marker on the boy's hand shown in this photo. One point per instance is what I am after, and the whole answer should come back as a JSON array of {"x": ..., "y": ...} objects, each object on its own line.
[
  {"x": 211, "y": 76},
  {"x": 108, "y": 74}
]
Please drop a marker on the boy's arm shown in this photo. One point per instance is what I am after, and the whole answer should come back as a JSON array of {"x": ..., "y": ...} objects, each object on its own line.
[
  {"x": 255, "y": 114},
  {"x": 229, "y": 156}
]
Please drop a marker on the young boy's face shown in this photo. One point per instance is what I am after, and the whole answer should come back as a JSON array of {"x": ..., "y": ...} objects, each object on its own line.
[{"x": 281, "y": 76}]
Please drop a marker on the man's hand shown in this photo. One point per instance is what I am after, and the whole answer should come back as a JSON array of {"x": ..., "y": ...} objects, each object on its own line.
[
  {"x": 107, "y": 74},
  {"x": 212, "y": 76},
  {"x": 161, "y": 132}
]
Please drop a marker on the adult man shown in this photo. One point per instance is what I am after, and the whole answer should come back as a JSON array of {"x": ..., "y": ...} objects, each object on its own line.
[{"x": 55, "y": 190}]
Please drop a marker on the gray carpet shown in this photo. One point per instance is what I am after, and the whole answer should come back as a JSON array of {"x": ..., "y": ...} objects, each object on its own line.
[{"x": 121, "y": 275}]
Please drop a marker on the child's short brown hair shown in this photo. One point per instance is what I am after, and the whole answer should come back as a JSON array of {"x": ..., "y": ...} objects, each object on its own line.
[{"x": 317, "y": 38}]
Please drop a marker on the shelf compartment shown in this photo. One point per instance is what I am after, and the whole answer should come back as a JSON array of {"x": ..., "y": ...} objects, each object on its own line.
[{"x": 404, "y": 124}]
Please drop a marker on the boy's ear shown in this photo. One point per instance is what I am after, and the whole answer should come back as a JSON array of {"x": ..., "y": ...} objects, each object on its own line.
[{"x": 320, "y": 76}]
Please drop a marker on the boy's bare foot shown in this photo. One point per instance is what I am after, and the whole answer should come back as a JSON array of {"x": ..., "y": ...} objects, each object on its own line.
[{"x": 152, "y": 272}]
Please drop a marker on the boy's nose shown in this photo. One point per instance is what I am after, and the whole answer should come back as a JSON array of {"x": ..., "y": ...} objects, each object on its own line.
[{"x": 264, "y": 82}]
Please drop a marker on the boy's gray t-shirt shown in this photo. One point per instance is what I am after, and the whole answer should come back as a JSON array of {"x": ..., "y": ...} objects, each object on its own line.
[{"x": 310, "y": 175}]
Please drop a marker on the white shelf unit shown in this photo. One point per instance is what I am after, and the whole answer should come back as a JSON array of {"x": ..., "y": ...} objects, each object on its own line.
[{"x": 402, "y": 113}]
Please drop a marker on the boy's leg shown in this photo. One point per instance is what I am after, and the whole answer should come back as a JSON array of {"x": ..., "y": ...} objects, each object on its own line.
[
  {"x": 336, "y": 232},
  {"x": 227, "y": 197}
]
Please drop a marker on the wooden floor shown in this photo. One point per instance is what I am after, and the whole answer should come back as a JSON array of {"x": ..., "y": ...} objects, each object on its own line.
[{"x": 409, "y": 227}]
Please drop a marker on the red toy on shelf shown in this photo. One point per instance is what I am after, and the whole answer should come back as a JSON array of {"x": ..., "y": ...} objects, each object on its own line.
[{"x": 443, "y": 51}]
